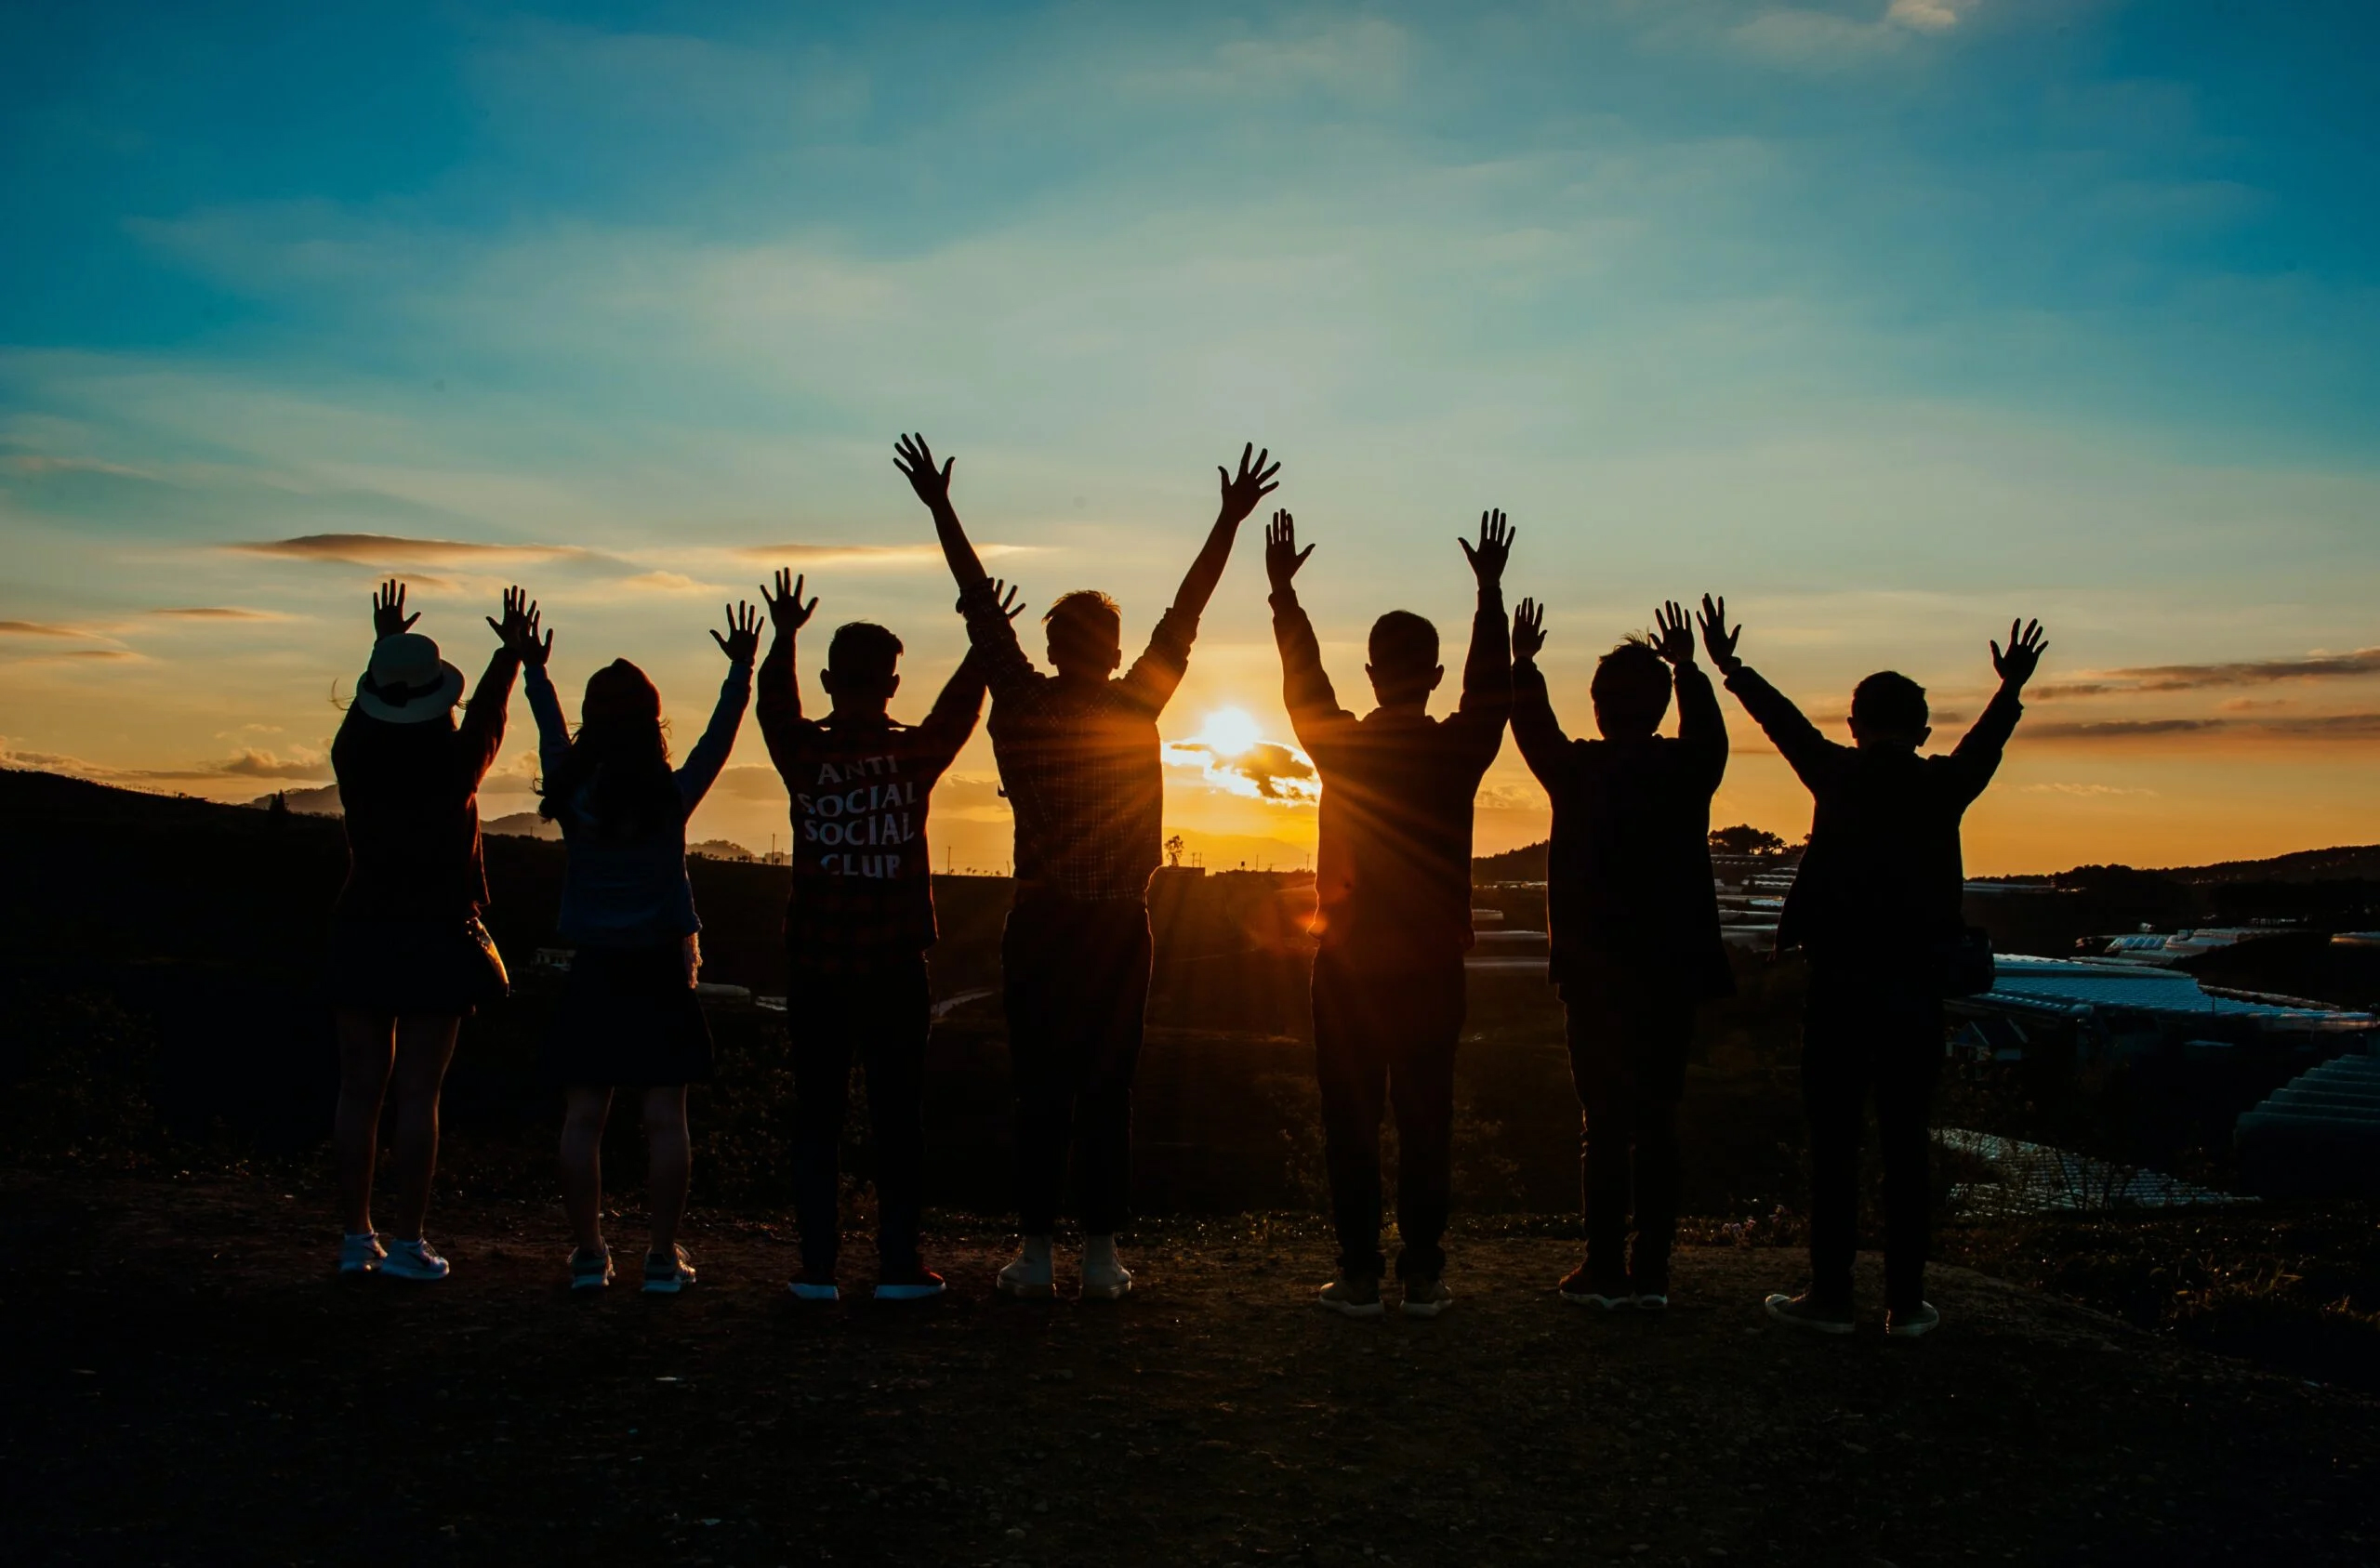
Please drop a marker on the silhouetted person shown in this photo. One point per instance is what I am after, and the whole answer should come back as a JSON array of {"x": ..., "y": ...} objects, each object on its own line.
[
  {"x": 409, "y": 958},
  {"x": 628, "y": 1013},
  {"x": 858, "y": 921},
  {"x": 1876, "y": 906},
  {"x": 1634, "y": 927},
  {"x": 1080, "y": 761},
  {"x": 1393, "y": 879}
]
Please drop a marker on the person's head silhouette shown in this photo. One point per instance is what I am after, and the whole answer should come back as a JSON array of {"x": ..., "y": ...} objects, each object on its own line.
[
  {"x": 1888, "y": 713},
  {"x": 619, "y": 760},
  {"x": 1404, "y": 665},
  {"x": 1631, "y": 691},
  {"x": 1086, "y": 635},
  {"x": 862, "y": 671}
]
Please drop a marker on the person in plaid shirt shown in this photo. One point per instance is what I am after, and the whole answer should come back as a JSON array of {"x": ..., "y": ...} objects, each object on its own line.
[
  {"x": 1078, "y": 757},
  {"x": 859, "y": 922}
]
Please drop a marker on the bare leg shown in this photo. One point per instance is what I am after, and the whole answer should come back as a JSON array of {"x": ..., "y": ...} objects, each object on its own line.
[
  {"x": 584, "y": 1112},
  {"x": 365, "y": 1050},
  {"x": 670, "y": 1162},
  {"x": 424, "y": 1047}
]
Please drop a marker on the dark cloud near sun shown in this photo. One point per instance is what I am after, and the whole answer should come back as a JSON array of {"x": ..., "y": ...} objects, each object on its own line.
[{"x": 1270, "y": 767}]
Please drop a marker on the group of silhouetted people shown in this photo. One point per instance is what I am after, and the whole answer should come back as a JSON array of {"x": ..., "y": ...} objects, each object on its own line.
[{"x": 1633, "y": 914}]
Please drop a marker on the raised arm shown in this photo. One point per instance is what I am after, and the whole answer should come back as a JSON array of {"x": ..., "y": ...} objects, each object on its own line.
[
  {"x": 1808, "y": 752},
  {"x": 1487, "y": 668},
  {"x": 1543, "y": 745},
  {"x": 1701, "y": 729},
  {"x": 1314, "y": 707},
  {"x": 481, "y": 731},
  {"x": 915, "y": 459},
  {"x": 1240, "y": 494},
  {"x": 779, "y": 704},
  {"x": 952, "y": 720},
  {"x": 1979, "y": 751},
  {"x": 700, "y": 769}
]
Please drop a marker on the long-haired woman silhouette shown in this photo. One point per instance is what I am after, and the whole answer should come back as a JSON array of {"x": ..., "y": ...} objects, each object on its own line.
[
  {"x": 628, "y": 1013},
  {"x": 409, "y": 958}
]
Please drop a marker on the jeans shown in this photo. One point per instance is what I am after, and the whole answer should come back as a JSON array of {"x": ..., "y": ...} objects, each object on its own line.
[
  {"x": 1863, "y": 1034},
  {"x": 1077, "y": 987},
  {"x": 1628, "y": 1044},
  {"x": 883, "y": 1017},
  {"x": 1384, "y": 1037}
]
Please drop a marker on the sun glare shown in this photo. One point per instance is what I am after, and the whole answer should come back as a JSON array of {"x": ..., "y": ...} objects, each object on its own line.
[{"x": 1230, "y": 731}]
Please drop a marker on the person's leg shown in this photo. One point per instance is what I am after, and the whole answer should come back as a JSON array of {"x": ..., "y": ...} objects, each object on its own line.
[
  {"x": 1353, "y": 1083},
  {"x": 1421, "y": 1086},
  {"x": 1664, "y": 1032},
  {"x": 900, "y": 1021},
  {"x": 366, "y": 1049},
  {"x": 1598, "y": 1073},
  {"x": 669, "y": 1158},
  {"x": 425, "y": 1045},
  {"x": 1116, "y": 1001},
  {"x": 818, "y": 1030},
  {"x": 1834, "y": 1090},
  {"x": 1033, "y": 970},
  {"x": 1909, "y": 1056},
  {"x": 585, "y": 1109}
]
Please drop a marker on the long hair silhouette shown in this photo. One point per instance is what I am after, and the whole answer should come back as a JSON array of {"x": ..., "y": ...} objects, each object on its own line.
[{"x": 620, "y": 758}]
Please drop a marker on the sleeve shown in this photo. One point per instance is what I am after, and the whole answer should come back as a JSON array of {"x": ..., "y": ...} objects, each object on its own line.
[
  {"x": 777, "y": 706},
  {"x": 1314, "y": 707},
  {"x": 1701, "y": 728},
  {"x": 703, "y": 763},
  {"x": 1160, "y": 669},
  {"x": 1810, "y": 753},
  {"x": 481, "y": 731},
  {"x": 553, "y": 733},
  {"x": 1487, "y": 678},
  {"x": 1976, "y": 757},
  {"x": 946, "y": 728},
  {"x": 993, "y": 637},
  {"x": 1543, "y": 745}
]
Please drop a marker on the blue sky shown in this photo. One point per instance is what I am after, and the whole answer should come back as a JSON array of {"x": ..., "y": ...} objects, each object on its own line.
[{"x": 1889, "y": 318}]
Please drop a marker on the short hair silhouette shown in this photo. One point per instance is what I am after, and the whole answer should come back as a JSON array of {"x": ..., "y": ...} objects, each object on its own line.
[
  {"x": 1630, "y": 689},
  {"x": 864, "y": 651},
  {"x": 1403, "y": 644},
  {"x": 1084, "y": 623},
  {"x": 1889, "y": 699}
]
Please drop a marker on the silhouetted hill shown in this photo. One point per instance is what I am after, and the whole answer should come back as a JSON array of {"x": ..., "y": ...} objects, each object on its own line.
[{"x": 2341, "y": 863}]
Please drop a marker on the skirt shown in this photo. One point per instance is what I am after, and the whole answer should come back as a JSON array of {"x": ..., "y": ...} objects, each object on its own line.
[
  {"x": 627, "y": 1017},
  {"x": 415, "y": 968}
]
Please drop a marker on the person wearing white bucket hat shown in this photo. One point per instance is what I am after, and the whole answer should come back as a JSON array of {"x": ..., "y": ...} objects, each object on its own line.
[{"x": 409, "y": 956}]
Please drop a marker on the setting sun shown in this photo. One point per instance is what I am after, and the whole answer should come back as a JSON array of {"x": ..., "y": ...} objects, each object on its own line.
[{"x": 1230, "y": 731}]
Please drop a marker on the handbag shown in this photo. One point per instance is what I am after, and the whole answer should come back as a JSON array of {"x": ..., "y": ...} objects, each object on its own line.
[
  {"x": 491, "y": 981},
  {"x": 1963, "y": 964}
]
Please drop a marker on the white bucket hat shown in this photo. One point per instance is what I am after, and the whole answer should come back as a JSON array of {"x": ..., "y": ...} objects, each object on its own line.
[{"x": 408, "y": 682}]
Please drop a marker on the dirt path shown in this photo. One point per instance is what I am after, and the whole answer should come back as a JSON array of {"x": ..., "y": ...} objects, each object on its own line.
[{"x": 189, "y": 1384}]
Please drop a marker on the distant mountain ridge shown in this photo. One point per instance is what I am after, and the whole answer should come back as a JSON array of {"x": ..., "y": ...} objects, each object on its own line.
[{"x": 2345, "y": 863}]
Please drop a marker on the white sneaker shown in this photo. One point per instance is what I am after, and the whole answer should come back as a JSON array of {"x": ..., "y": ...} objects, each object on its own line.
[
  {"x": 1105, "y": 1280},
  {"x": 1426, "y": 1299},
  {"x": 1028, "y": 1279},
  {"x": 361, "y": 1254},
  {"x": 590, "y": 1270},
  {"x": 416, "y": 1259},
  {"x": 667, "y": 1273}
]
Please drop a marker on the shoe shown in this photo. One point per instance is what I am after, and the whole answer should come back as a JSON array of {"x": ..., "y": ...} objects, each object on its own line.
[
  {"x": 666, "y": 1274},
  {"x": 1579, "y": 1290},
  {"x": 813, "y": 1284},
  {"x": 416, "y": 1259},
  {"x": 590, "y": 1270},
  {"x": 1355, "y": 1296},
  {"x": 1649, "y": 1294},
  {"x": 1426, "y": 1299},
  {"x": 1807, "y": 1314},
  {"x": 908, "y": 1285},
  {"x": 1105, "y": 1280},
  {"x": 1914, "y": 1324},
  {"x": 1028, "y": 1278},
  {"x": 361, "y": 1254}
]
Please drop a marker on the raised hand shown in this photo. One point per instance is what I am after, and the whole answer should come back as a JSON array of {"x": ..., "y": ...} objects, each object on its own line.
[
  {"x": 518, "y": 630},
  {"x": 787, "y": 611},
  {"x": 2024, "y": 652},
  {"x": 1495, "y": 548},
  {"x": 1529, "y": 629},
  {"x": 1253, "y": 482},
  {"x": 743, "y": 639},
  {"x": 1716, "y": 639},
  {"x": 1282, "y": 556},
  {"x": 1005, "y": 597},
  {"x": 388, "y": 616},
  {"x": 915, "y": 459},
  {"x": 1676, "y": 635}
]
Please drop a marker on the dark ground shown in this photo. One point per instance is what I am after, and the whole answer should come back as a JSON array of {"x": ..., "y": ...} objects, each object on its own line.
[{"x": 189, "y": 1383}]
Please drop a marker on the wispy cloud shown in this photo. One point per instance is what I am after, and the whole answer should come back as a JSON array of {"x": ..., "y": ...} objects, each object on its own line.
[
  {"x": 2199, "y": 677},
  {"x": 246, "y": 763},
  {"x": 887, "y": 558},
  {"x": 40, "y": 628},
  {"x": 2312, "y": 727},
  {"x": 2091, "y": 790},
  {"x": 215, "y": 612},
  {"x": 389, "y": 550}
]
